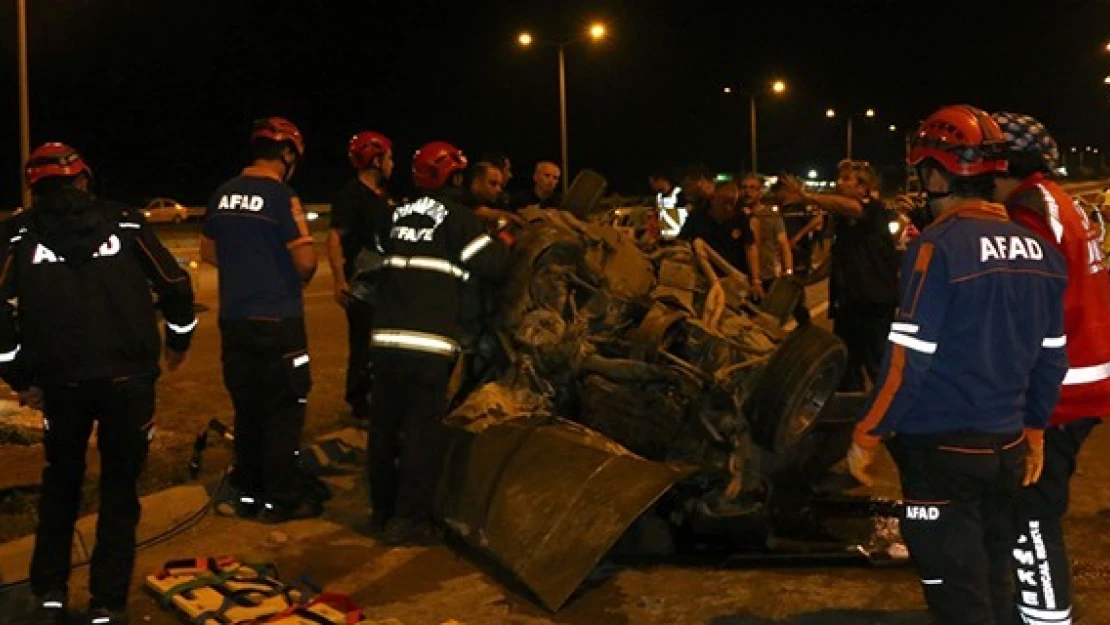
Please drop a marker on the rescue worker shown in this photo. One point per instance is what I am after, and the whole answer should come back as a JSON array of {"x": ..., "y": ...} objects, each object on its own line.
[
  {"x": 1038, "y": 203},
  {"x": 359, "y": 213},
  {"x": 435, "y": 247},
  {"x": 971, "y": 372},
  {"x": 256, "y": 235},
  {"x": 863, "y": 285},
  {"x": 85, "y": 351}
]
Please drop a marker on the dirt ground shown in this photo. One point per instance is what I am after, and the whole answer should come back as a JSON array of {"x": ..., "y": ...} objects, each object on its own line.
[{"x": 433, "y": 585}]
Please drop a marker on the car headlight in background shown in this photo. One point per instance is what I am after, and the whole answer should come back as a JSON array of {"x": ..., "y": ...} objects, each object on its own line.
[
  {"x": 146, "y": 213},
  {"x": 312, "y": 215}
]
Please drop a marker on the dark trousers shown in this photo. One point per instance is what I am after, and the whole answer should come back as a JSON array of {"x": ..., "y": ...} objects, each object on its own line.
[
  {"x": 957, "y": 521},
  {"x": 266, "y": 371},
  {"x": 407, "y": 437},
  {"x": 359, "y": 317},
  {"x": 123, "y": 411},
  {"x": 1041, "y": 557},
  {"x": 864, "y": 330}
]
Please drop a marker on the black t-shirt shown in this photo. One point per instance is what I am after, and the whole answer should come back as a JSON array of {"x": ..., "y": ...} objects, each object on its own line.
[
  {"x": 728, "y": 239},
  {"x": 864, "y": 259},
  {"x": 528, "y": 197},
  {"x": 795, "y": 217},
  {"x": 360, "y": 215}
]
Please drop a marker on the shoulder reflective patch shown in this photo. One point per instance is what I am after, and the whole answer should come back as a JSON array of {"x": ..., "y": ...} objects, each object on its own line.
[
  {"x": 477, "y": 245},
  {"x": 17, "y": 238},
  {"x": 932, "y": 582},
  {"x": 918, "y": 345},
  {"x": 129, "y": 225},
  {"x": 301, "y": 360}
]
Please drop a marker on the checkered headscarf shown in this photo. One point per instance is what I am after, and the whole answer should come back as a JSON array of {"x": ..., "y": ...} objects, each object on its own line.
[{"x": 1026, "y": 134}]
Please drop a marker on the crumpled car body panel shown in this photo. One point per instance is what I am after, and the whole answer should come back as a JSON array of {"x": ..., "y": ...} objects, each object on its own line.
[{"x": 546, "y": 498}]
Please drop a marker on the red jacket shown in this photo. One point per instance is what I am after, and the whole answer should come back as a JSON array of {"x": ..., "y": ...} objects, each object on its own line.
[{"x": 1042, "y": 206}]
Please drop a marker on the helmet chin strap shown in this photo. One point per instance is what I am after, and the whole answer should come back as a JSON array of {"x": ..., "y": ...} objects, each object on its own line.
[{"x": 289, "y": 165}]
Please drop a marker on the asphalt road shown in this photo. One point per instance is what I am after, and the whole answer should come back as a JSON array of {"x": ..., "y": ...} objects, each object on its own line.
[{"x": 434, "y": 585}]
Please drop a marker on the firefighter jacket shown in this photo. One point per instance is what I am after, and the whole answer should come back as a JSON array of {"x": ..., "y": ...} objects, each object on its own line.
[
  {"x": 436, "y": 247},
  {"x": 1040, "y": 205},
  {"x": 978, "y": 342},
  {"x": 82, "y": 298}
]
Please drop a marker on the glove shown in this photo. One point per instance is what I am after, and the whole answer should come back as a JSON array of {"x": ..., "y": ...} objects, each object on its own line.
[
  {"x": 1034, "y": 461},
  {"x": 861, "y": 459}
]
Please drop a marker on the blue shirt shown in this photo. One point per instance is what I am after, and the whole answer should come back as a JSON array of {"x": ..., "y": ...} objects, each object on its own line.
[
  {"x": 255, "y": 220},
  {"x": 978, "y": 341}
]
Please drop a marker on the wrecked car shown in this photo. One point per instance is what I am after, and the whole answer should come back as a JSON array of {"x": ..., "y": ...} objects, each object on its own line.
[{"x": 623, "y": 384}]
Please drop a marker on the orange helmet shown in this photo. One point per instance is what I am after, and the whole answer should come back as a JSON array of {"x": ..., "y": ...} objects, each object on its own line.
[
  {"x": 51, "y": 160},
  {"x": 433, "y": 164},
  {"x": 365, "y": 147},
  {"x": 281, "y": 130},
  {"x": 963, "y": 140}
]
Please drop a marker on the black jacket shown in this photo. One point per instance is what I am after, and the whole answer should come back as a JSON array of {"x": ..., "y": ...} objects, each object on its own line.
[
  {"x": 435, "y": 248},
  {"x": 83, "y": 306}
]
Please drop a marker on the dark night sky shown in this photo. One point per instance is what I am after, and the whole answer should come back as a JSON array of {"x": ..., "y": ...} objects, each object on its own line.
[{"x": 158, "y": 95}]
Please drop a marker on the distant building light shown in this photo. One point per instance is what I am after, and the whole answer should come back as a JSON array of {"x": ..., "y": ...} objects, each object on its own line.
[{"x": 812, "y": 174}]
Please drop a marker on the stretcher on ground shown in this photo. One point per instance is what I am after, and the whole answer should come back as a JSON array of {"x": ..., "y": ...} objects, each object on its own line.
[{"x": 223, "y": 591}]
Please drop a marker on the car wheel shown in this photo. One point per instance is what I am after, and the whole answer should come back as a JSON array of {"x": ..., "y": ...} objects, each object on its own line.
[
  {"x": 177, "y": 219},
  {"x": 795, "y": 384}
]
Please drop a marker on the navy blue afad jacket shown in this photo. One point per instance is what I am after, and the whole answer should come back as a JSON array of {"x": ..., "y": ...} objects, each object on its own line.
[{"x": 978, "y": 341}]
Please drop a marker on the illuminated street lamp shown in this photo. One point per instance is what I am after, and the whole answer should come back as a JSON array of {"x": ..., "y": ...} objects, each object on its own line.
[
  {"x": 596, "y": 32},
  {"x": 868, "y": 113},
  {"x": 1106, "y": 80},
  {"x": 777, "y": 87}
]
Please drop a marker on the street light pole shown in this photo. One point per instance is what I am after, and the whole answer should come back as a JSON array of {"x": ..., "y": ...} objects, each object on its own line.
[
  {"x": 755, "y": 162},
  {"x": 849, "y": 137},
  {"x": 563, "y": 115},
  {"x": 24, "y": 108}
]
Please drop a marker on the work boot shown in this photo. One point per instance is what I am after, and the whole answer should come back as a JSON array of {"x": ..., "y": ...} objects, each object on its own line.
[
  {"x": 306, "y": 508},
  {"x": 410, "y": 531},
  {"x": 52, "y": 609},
  {"x": 104, "y": 616}
]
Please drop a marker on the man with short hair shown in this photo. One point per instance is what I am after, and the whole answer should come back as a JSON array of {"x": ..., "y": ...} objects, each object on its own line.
[
  {"x": 770, "y": 232},
  {"x": 863, "y": 285},
  {"x": 543, "y": 193},
  {"x": 725, "y": 229},
  {"x": 697, "y": 183}
]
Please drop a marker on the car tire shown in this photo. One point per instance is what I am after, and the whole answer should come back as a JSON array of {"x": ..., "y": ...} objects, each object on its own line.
[
  {"x": 178, "y": 219},
  {"x": 794, "y": 386}
]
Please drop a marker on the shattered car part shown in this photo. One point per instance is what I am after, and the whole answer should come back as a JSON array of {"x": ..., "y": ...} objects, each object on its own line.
[{"x": 633, "y": 377}]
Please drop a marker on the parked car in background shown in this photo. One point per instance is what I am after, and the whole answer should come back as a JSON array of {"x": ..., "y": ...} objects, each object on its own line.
[{"x": 165, "y": 211}]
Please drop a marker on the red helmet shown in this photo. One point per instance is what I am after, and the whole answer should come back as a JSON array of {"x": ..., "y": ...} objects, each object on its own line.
[
  {"x": 962, "y": 139},
  {"x": 433, "y": 164},
  {"x": 54, "y": 159},
  {"x": 367, "y": 146},
  {"x": 279, "y": 129}
]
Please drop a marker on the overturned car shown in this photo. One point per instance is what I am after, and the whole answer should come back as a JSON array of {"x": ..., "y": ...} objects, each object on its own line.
[{"x": 628, "y": 385}]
